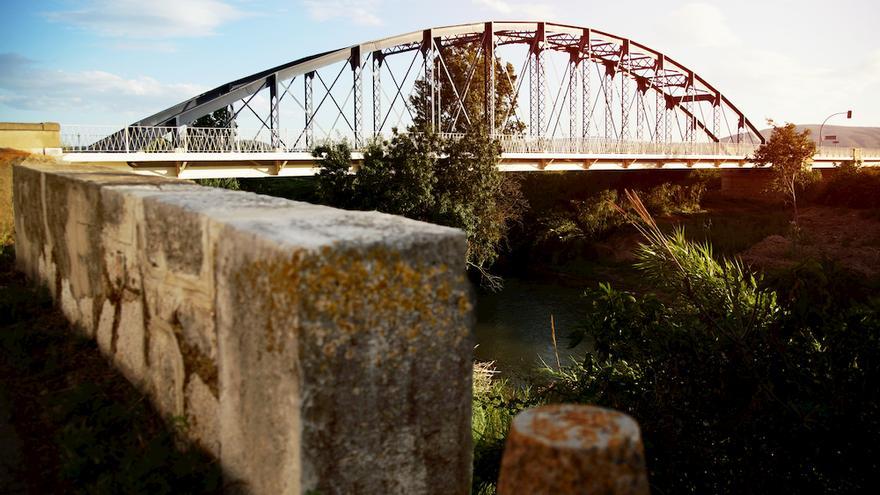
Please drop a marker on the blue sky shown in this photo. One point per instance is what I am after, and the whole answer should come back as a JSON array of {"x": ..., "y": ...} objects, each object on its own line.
[{"x": 115, "y": 61}]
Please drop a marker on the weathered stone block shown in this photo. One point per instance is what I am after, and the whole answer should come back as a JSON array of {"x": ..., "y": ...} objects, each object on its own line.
[
  {"x": 129, "y": 345},
  {"x": 166, "y": 371},
  {"x": 310, "y": 348},
  {"x": 356, "y": 309},
  {"x": 203, "y": 414}
]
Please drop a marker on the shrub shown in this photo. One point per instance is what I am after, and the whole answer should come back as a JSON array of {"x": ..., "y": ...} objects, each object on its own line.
[
  {"x": 230, "y": 183},
  {"x": 667, "y": 198},
  {"x": 738, "y": 387},
  {"x": 495, "y": 403},
  {"x": 851, "y": 186}
]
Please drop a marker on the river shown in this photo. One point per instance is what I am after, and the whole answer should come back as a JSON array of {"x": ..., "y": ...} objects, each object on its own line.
[{"x": 513, "y": 325}]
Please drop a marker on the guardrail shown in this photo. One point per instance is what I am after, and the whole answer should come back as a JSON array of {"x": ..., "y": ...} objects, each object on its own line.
[{"x": 134, "y": 139}]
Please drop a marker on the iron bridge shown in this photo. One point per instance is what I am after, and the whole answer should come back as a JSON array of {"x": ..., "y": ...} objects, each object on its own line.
[{"x": 557, "y": 97}]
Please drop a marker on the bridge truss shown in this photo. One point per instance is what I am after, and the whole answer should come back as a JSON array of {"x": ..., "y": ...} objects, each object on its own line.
[
  {"x": 548, "y": 92},
  {"x": 569, "y": 82}
]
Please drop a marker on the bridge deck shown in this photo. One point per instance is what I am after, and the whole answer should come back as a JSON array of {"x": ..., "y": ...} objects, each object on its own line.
[{"x": 214, "y": 153}]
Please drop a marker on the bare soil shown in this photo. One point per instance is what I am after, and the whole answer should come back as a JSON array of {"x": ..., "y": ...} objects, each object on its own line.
[{"x": 849, "y": 237}]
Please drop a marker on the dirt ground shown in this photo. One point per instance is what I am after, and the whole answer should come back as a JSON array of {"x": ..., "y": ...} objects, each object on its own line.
[{"x": 850, "y": 237}]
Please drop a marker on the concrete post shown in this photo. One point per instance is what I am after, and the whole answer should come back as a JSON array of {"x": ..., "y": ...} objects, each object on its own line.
[{"x": 571, "y": 449}]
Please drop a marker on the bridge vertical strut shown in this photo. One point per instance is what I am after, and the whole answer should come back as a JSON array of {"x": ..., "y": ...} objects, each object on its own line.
[
  {"x": 429, "y": 68},
  {"x": 624, "y": 92},
  {"x": 574, "y": 60},
  {"x": 358, "y": 89},
  {"x": 308, "y": 100},
  {"x": 536, "y": 84},
  {"x": 377, "y": 92},
  {"x": 274, "y": 111},
  {"x": 489, "y": 76}
]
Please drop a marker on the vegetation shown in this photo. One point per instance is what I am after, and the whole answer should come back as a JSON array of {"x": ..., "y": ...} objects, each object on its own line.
[
  {"x": 218, "y": 118},
  {"x": 789, "y": 152},
  {"x": 454, "y": 183},
  {"x": 740, "y": 385},
  {"x": 850, "y": 186},
  {"x": 230, "y": 183},
  {"x": 595, "y": 217},
  {"x": 494, "y": 406},
  {"x": 459, "y": 91}
]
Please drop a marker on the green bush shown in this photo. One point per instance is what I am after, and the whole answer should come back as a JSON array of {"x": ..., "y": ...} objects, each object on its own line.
[
  {"x": 420, "y": 176},
  {"x": 738, "y": 386},
  {"x": 495, "y": 403},
  {"x": 667, "y": 199},
  {"x": 850, "y": 186},
  {"x": 230, "y": 183}
]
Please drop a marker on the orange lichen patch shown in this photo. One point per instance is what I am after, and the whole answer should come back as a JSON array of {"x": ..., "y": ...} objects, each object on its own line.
[
  {"x": 338, "y": 296},
  {"x": 569, "y": 449}
]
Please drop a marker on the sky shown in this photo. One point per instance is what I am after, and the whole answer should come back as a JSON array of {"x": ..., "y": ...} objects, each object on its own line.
[{"x": 116, "y": 61}]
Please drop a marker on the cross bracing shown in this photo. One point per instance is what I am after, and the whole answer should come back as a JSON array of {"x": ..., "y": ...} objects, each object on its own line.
[{"x": 567, "y": 82}]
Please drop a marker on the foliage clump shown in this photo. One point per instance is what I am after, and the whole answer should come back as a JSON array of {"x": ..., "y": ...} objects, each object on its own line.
[
  {"x": 790, "y": 154},
  {"x": 449, "y": 182},
  {"x": 851, "y": 186},
  {"x": 738, "y": 387}
]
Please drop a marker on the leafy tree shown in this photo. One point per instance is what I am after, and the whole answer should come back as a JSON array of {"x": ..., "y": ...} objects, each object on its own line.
[
  {"x": 335, "y": 183},
  {"x": 790, "y": 153},
  {"x": 399, "y": 176},
  {"x": 461, "y": 82},
  {"x": 454, "y": 183},
  {"x": 217, "y": 118}
]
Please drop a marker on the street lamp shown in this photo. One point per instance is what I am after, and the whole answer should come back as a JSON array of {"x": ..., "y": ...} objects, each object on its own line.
[{"x": 848, "y": 115}]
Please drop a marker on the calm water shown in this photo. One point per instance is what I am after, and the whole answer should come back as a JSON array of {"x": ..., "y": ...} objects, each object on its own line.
[{"x": 513, "y": 326}]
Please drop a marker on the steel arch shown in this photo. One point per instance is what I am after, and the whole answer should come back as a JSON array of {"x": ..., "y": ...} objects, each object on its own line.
[{"x": 680, "y": 93}]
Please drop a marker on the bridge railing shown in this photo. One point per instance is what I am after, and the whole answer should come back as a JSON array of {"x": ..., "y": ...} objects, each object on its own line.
[{"x": 135, "y": 139}]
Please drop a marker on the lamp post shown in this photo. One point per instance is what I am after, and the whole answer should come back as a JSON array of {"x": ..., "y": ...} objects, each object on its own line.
[{"x": 848, "y": 115}]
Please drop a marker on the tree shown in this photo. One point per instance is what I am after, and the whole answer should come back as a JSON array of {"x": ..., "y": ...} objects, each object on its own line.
[
  {"x": 217, "y": 118},
  {"x": 461, "y": 79},
  {"x": 335, "y": 185},
  {"x": 790, "y": 153},
  {"x": 417, "y": 175}
]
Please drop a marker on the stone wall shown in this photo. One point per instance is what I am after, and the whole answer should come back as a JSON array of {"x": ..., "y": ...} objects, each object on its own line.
[
  {"x": 308, "y": 348},
  {"x": 42, "y": 138}
]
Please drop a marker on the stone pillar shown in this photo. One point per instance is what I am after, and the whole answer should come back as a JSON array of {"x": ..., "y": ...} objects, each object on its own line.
[{"x": 571, "y": 449}]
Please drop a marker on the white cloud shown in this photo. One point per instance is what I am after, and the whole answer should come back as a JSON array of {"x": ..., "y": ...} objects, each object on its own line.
[
  {"x": 24, "y": 85},
  {"x": 700, "y": 25},
  {"x": 362, "y": 13},
  {"x": 154, "y": 19}
]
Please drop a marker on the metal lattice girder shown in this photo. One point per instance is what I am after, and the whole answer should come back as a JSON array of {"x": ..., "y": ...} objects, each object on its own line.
[
  {"x": 489, "y": 77},
  {"x": 696, "y": 105},
  {"x": 573, "y": 95},
  {"x": 274, "y": 113},
  {"x": 608, "y": 94},
  {"x": 377, "y": 58},
  {"x": 309, "y": 108},
  {"x": 358, "y": 89},
  {"x": 536, "y": 83},
  {"x": 586, "y": 106}
]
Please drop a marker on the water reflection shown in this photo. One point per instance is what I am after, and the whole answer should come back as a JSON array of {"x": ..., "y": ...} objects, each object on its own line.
[{"x": 513, "y": 326}]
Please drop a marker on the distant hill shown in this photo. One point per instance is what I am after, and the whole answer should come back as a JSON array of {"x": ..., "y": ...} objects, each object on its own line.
[{"x": 847, "y": 136}]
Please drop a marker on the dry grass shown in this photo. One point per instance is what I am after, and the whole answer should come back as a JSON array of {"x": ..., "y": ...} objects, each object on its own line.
[{"x": 8, "y": 157}]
